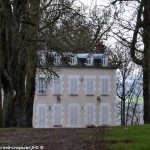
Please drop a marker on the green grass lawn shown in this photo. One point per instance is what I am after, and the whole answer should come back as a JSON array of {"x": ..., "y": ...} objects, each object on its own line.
[{"x": 135, "y": 137}]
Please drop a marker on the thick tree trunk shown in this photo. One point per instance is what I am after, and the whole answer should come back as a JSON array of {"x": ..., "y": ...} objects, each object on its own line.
[
  {"x": 146, "y": 94},
  {"x": 19, "y": 112},
  {"x": 1, "y": 107},
  {"x": 30, "y": 91},
  {"x": 1, "y": 110},
  {"x": 146, "y": 61},
  {"x": 12, "y": 73},
  {"x": 143, "y": 21},
  {"x": 30, "y": 83},
  {"x": 32, "y": 61},
  {"x": 7, "y": 108}
]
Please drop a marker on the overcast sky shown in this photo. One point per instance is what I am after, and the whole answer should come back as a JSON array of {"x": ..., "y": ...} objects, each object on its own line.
[{"x": 99, "y": 2}]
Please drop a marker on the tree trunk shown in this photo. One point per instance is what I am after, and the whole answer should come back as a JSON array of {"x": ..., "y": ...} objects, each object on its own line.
[
  {"x": 7, "y": 108},
  {"x": 30, "y": 91},
  {"x": 1, "y": 109},
  {"x": 146, "y": 95},
  {"x": 123, "y": 102},
  {"x": 19, "y": 112},
  {"x": 30, "y": 83},
  {"x": 32, "y": 61},
  {"x": 127, "y": 112},
  {"x": 123, "y": 113},
  {"x": 146, "y": 61}
]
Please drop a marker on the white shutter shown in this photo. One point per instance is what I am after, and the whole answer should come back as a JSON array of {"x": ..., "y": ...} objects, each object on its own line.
[
  {"x": 37, "y": 85},
  {"x": 57, "y": 86},
  {"x": 105, "y": 116},
  {"x": 73, "y": 86},
  {"x": 74, "y": 118},
  {"x": 90, "y": 115},
  {"x": 41, "y": 118},
  {"x": 57, "y": 115},
  {"x": 105, "y": 86},
  {"x": 89, "y": 86}
]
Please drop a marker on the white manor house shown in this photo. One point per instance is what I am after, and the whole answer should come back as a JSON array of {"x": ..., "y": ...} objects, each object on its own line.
[{"x": 82, "y": 95}]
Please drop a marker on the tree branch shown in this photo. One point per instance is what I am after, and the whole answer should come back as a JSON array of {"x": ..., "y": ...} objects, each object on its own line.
[{"x": 135, "y": 35}]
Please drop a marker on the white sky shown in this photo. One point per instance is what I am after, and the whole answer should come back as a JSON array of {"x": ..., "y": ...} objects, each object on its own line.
[{"x": 99, "y": 2}]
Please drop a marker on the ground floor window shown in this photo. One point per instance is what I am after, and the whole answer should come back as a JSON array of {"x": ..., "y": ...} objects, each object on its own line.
[
  {"x": 105, "y": 114},
  {"x": 41, "y": 116},
  {"x": 90, "y": 114},
  {"x": 74, "y": 115},
  {"x": 57, "y": 115}
]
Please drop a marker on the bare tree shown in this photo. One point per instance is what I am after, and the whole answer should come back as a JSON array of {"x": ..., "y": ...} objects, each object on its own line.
[
  {"x": 137, "y": 25},
  {"x": 129, "y": 86},
  {"x": 19, "y": 43},
  {"x": 77, "y": 30}
]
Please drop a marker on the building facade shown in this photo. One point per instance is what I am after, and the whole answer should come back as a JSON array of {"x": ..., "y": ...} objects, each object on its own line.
[{"x": 82, "y": 95}]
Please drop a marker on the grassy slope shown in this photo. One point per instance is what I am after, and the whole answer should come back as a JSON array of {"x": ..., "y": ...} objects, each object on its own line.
[
  {"x": 54, "y": 139},
  {"x": 129, "y": 138},
  {"x": 111, "y": 138}
]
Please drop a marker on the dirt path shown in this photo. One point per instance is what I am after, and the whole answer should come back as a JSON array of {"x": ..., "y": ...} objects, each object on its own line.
[{"x": 53, "y": 139}]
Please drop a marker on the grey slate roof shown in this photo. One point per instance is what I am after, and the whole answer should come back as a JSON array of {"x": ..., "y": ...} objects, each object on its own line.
[{"x": 65, "y": 59}]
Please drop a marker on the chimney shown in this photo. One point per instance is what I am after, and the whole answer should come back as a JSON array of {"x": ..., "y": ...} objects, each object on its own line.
[{"x": 99, "y": 48}]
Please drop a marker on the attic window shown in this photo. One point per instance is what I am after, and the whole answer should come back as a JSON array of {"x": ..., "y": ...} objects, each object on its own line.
[
  {"x": 41, "y": 59},
  {"x": 56, "y": 59},
  {"x": 89, "y": 61},
  {"x": 104, "y": 60},
  {"x": 73, "y": 60}
]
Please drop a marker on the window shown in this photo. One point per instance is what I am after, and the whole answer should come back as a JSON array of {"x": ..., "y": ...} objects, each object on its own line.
[
  {"x": 56, "y": 59},
  {"x": 41, "y": 116},
  {"x": 57, "y": 86},
  {"x": 57, "y": 114},
  {"x": 42, "y": 86},
  {"x": 89, "y": 85},
  {"x": 74, "y": 86},
  {"x": 89, "y": 61},
  {"x": 90, "y": 114},
  {"x": 105, "y": 86},
  {"x": 105, "y": 115},
  {"x": 104, "y": 60},
  {"x": 42, "y": 59},
  {"x": 74, "y": 115},
  {"x": 73, "y": 60}
]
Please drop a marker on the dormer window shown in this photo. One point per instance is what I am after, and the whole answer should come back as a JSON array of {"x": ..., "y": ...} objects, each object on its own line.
[
  {"x": 73, "y": 60},
  {"x": 89, "y": 61},
  {"x": 42, "y": 59},
  {"x": 104, "y": 60},
  {"x": 56, "y": 59}
]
